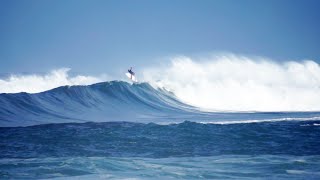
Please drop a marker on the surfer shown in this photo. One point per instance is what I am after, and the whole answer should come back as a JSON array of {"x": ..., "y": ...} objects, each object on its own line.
[
  {"x": 131, "y": 75},
  {"x": 131, "y": 72}
]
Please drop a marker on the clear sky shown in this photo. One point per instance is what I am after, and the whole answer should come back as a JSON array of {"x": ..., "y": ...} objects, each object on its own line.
[{"x": 93, "y": 36}]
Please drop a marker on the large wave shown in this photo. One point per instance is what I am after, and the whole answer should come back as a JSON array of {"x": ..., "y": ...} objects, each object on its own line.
[
  {"x": 204, "y": 90},
  {"x": 119, "y": 101},
  {"x": 239, "y": 83},
  {"x": 217, "y": 83}
]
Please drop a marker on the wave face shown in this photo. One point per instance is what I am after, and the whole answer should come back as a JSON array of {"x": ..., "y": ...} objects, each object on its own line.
[{"x": 109, "y": 101}]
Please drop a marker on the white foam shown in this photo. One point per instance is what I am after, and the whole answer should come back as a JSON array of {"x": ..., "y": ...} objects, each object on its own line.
[
  {"x": 239, "y": 83},
  {"x": 37, "y": 83},
  {"x": 263, "y": 120}
]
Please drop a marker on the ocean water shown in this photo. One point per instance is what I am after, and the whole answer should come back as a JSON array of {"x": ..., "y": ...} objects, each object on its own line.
[{"x": 117, "y": 130}]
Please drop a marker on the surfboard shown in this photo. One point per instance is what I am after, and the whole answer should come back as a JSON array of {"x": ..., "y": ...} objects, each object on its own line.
[{"x": 132, "y": 77}]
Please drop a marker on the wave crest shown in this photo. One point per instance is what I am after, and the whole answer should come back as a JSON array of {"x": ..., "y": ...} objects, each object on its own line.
[{"x": 238, "y": 83}]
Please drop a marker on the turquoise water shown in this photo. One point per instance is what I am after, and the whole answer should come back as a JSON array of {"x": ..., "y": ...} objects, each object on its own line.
[{"x": 212, "y": 167}]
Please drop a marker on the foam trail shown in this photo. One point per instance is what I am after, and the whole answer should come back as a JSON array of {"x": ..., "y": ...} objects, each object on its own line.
[
  {"x": 37, "y": 83},
  {"x": 264, "y": 120},
  {"x": 238, "y": 83}
]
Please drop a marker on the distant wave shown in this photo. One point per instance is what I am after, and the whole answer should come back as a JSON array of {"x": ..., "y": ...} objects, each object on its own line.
[
  {"x": 239, "y": 83},
  {"x": 34, "y": 83}
]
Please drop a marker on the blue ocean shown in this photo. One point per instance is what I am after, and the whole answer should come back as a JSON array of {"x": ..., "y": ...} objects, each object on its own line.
[{"x": 120, "y": 130}]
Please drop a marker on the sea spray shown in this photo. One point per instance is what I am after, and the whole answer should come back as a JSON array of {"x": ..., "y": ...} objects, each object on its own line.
[{"x": 240, "y": 83}]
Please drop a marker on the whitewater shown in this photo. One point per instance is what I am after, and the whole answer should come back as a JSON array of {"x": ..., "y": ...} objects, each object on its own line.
[{"x": 219, "y": 117}]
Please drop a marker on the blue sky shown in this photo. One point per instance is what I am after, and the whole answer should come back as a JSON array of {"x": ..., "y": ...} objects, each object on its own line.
[{"x": 94, "y": 36}]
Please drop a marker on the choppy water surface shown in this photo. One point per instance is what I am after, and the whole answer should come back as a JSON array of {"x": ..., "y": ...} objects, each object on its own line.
[{"x": 136, "y": 131}]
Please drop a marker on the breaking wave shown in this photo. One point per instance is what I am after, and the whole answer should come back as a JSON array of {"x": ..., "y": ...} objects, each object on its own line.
[
  {"x": 120, "y": 101},
  {"x": 238, "y": 83},
  {"x": 34, "y": 83}
]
